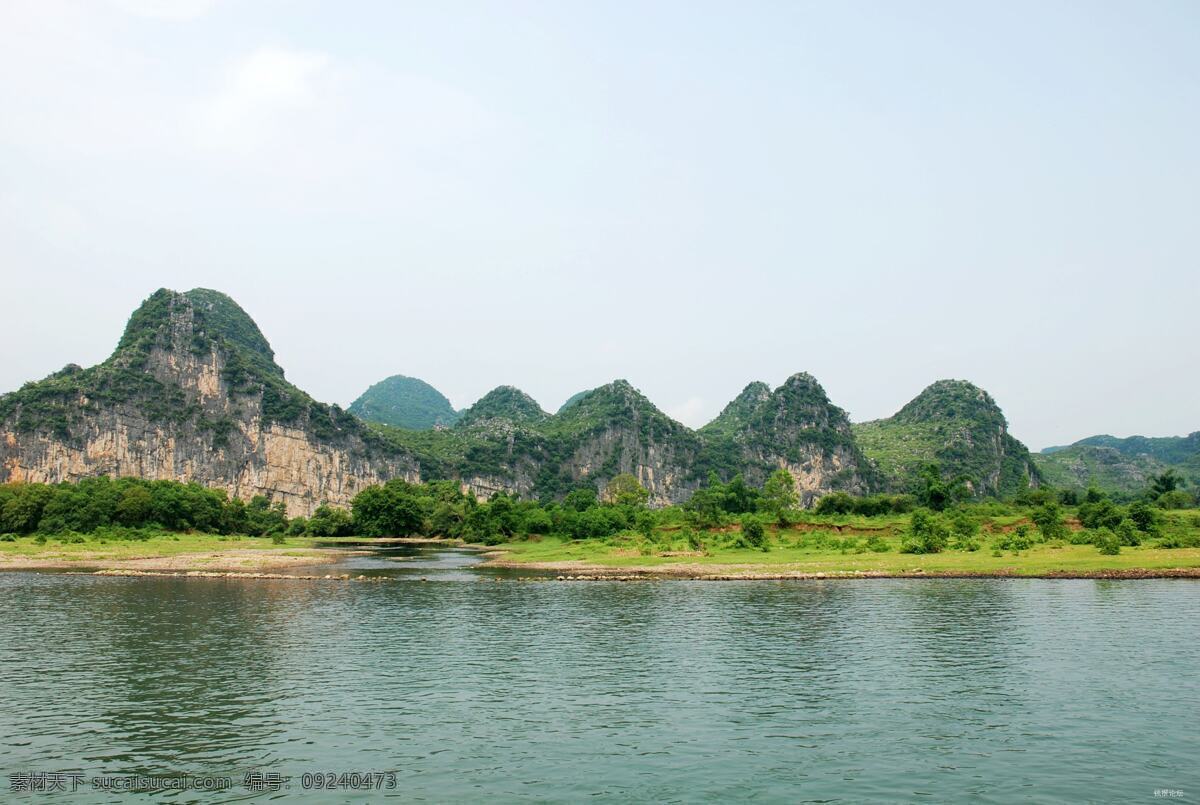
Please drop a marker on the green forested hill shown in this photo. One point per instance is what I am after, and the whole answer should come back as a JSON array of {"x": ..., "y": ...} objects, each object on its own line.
[
  {"x": 404, "y": 402},
  {"x": 189, "y": 325},
  {"x": 1119, "y": 466},
  {"x": 958, "y": 426},
  {"x": 503, "y": 403},
  {"x": 193, "y": 391}
]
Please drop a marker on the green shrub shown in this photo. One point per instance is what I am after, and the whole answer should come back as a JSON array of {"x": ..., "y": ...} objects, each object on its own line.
[
  {"x": 1175, "y": 499},
  {"x": 1107, "y": 542},
  {"x": 1144, "y": 516},
  {"x": 877, "y": 544},
  {"x": 1081, "y": 537},
  {"x": 754, "y": 533},
  {"x": 926, "y": 534},
  {"x": 1048, "y": 519},
  {"x": 1018, "y": 539},
  {"x": 1127, "y": 533},
  {"x": 963, "y": 524},
  {"x": 1100, "y": 513},
  {"x": 1180, "y": 541}
]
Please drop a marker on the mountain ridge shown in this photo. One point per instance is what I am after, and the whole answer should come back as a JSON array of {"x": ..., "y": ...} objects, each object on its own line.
[{"x": 193, "y": 392}]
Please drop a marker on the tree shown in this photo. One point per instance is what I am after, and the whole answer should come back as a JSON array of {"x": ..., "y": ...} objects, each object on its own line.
[
  {"x": 1048, "y": 519},
  {"x": 835, "y": 503},
  {"x": 1144, "y": 517},
  {"x": 386, "y": 511},
  {"x": 926, "y": 534},
  {"x": 580, "y": 499},
  {"x": 23, "y": 510},
  {"x": 937, "y": 493},
  {"x": 537, "y": 521},
  {"x": 739, "y": 498},
  {"x": 1163, "y": 483},
  {"x": 779, "y": 493},
  {"x": 624, "y": 490},
  {"x": 330, "y": 521},
  {"x": 704, "y": 508},
  {"x": 133, "y": 508}
]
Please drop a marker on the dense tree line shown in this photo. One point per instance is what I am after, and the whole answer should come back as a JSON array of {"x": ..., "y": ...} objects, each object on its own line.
[
  {"x": 940, "y": 514},
  {"x": 97, "y": 503}
]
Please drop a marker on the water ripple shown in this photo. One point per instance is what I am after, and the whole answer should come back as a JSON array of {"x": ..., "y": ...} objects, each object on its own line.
[{"x": 900, "y": 690}]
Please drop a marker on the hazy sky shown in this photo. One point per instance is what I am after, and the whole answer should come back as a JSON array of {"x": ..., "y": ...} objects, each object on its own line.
[{"x": 688, "y": 195}]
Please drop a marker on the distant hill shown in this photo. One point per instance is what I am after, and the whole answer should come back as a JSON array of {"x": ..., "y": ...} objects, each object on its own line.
[
  {"x": 404, "y": 402},
  {"x": 1120, "y": 466},
  {"x": 503, "y": 403},
  {"x": 958, "y": 426},
  {"x": 574, "y": 398}
]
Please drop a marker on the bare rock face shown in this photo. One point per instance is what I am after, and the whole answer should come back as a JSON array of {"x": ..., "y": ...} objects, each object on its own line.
[
  {"x": 515, "y": 447},
  {"x": 796, "y": 428},
  {"x": 192, "y": 394},
  {"x": 613, "y": 430}
]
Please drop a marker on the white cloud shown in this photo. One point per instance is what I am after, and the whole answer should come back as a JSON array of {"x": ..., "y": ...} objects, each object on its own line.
[
  {"x": 261, "y": 94},
  {"x": 179, "y": 10}
]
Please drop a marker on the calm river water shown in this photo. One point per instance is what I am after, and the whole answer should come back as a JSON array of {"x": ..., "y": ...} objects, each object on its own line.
[{"x": 465, "y": 688}]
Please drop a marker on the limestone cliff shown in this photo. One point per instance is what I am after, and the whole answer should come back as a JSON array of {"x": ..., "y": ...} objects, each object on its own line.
[
  {"x": 795, "y": 427},
  {"x": 192, "y": 393}
]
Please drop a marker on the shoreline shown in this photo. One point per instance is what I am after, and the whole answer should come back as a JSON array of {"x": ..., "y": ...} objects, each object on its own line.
[
  {"x": 218, "y": 561},
  {"x": 299, "y": 562},
  {"x": 579, "y": 570},
  {"x": 252, "y": 560}
]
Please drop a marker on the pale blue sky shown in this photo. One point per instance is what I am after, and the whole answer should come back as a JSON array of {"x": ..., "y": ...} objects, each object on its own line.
[{"x": 690, "y": 195}]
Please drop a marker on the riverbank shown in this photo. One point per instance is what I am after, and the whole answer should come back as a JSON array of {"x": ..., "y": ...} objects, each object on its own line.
[
  {"x": 168, "y": 553},
  {"x": 601, "y": 559},
  {"x": 623, "y": 558}
]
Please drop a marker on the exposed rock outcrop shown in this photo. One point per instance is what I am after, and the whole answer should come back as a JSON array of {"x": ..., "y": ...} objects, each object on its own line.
[
  {"x": 796, "y": 428},
  {"x": 192, "y": 394}
]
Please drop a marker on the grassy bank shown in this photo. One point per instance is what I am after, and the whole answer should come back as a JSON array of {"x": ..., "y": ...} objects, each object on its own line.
[
  {"x": 160, "y": 551},
  {"x": 838, "y": 545}
]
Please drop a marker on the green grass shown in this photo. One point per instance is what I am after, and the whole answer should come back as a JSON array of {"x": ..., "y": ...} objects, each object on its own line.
[
  {"x": 838, "y": 544},
  {"x": 97, "y": 547},
  {"x": 787, "y": 556}
]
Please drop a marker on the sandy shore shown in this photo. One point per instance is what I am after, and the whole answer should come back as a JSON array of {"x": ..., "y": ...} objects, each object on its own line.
[{"x": 243, "y": 559}]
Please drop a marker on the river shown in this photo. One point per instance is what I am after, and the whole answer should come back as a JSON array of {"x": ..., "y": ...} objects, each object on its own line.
[{"x": 461, "y": 687}]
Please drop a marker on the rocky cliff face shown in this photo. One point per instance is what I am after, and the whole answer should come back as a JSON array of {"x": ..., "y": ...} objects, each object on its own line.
[
  {"x": 192, "y": 394},
  {"x": 614, "y": 429},
  {"x": 957, "y": 426},
  {"x": 795, "y": 428},
  {"x": 506, "y": 443}
]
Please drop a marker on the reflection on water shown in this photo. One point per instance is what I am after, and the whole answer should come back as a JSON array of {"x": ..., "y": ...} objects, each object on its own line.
[
  {"x": 405, "y": 561},
  {"x": 900, "y": 690}
]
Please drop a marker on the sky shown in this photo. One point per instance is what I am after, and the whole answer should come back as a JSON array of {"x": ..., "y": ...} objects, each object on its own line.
[{"x": 688, "y": 195}]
